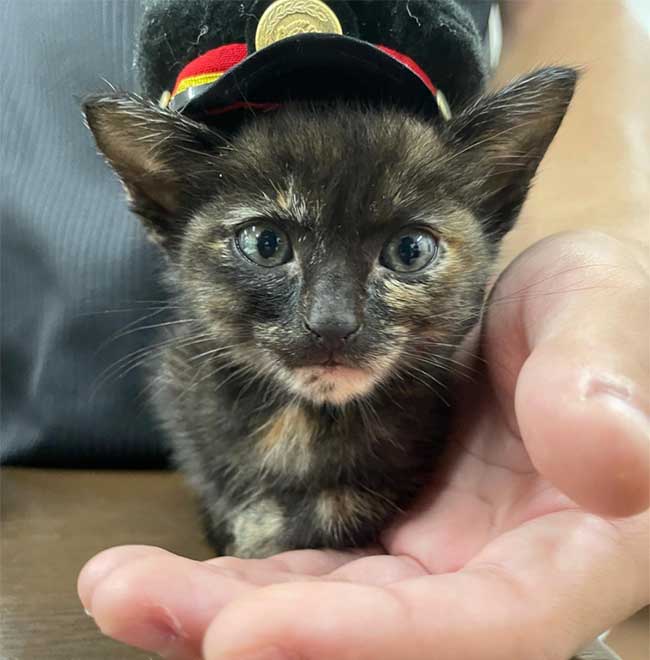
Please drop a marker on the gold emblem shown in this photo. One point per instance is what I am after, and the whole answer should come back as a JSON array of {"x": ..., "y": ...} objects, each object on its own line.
[{"x": 286, "y": 18}]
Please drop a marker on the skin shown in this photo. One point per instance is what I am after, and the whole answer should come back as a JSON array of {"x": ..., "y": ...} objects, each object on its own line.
[{"x": 534, "y": 538}]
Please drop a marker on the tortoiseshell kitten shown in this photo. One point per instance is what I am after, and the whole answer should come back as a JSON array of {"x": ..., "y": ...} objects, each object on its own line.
[{"x": 326, "y": 262}]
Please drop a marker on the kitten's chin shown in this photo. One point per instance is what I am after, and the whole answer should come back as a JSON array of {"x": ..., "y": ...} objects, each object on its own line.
[{"x": 332, "y": 384}]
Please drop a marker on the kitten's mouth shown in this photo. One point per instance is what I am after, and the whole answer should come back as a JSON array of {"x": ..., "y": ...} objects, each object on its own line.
[
  {"x": 334, "y": 370},
  {"x": 333, "y": 381},
  {"x": 331, "y": 362}
]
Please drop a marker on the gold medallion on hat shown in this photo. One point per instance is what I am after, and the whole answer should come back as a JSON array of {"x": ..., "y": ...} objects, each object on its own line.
[{"x": 286, "y": 18}]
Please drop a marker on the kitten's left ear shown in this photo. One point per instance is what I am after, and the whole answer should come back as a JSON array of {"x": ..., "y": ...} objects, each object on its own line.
[
  {"x": 499, "y": 141},
  {"x": 157, "y": 154}
]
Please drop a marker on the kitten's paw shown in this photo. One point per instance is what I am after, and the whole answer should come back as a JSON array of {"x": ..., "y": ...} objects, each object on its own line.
[{"x": 257, "y": 530}]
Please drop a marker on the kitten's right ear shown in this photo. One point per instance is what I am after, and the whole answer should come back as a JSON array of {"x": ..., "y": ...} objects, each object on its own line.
[
  {"x": 499, "y": 141},
  {"x": 156, "y": 154}
]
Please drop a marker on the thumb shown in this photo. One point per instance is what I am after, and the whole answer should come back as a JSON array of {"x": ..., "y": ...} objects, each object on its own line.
[{"x": 567, "y": 338}]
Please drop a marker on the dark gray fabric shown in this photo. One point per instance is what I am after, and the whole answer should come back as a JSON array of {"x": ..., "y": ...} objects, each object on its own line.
[
  {"x": 76, "y": 271},
  {"x": 72, "y": 257}
]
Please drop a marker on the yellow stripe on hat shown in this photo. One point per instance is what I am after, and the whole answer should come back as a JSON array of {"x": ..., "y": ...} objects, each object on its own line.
[{"x": 194, "y": 81}]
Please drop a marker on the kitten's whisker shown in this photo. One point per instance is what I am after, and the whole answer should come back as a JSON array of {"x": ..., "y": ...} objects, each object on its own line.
[
  {"x": 135, "y": 359},
  {"x": 152, "y": 326},
  {"x": 413, "y": 371},
  {"x": 213, "y": 351},
  {"x": 122, "y": 310},
  {"x": 531, "y": 296},
  {"x": 124, "y": 331},
  {"x": 444, "y": 363},
  {"x": 565, "y": 271}
]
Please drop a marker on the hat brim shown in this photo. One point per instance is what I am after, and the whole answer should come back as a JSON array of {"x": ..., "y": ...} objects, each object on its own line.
[{"x": 312, "y": 68}]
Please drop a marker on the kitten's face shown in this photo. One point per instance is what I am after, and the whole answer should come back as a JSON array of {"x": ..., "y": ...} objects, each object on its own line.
[
  {"x": 335, "y": 252},
  {"x": 333, "y": 249}
]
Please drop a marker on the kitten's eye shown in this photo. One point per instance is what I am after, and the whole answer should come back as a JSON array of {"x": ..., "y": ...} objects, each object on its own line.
[
  {"x": 264, "y": 244},
  {"x": 410, "y": 250}
]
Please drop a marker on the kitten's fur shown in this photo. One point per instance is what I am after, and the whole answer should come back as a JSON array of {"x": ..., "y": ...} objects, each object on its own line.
[{"x": 282, "y": 453}]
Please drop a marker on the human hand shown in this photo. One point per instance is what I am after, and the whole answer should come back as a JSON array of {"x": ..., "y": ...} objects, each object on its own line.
[{"x": 532, "y": 539}]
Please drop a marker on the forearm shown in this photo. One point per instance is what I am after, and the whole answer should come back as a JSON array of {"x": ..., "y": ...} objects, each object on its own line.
[{"x": 596, "y": 175}]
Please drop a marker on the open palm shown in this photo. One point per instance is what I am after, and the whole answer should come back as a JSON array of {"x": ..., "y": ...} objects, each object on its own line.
[{"x": 529, "y": 542}]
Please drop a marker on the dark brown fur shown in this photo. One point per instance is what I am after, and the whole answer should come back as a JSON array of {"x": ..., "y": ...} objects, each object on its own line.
[{"x": 281, "y": 462}]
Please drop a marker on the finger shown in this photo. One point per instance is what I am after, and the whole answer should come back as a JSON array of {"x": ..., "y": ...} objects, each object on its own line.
[
  {"x": 306, "y": 565},
  {"x": 566, "y": 335},
  {"x": 544, "y": 594},
  {"x": 429, "y": 617},
  {"x": 104, "y": 563},
  {"x": 313, "y": 562},
  {"x": 161, "y": 602},
  {"x": 379, "y": 570}
]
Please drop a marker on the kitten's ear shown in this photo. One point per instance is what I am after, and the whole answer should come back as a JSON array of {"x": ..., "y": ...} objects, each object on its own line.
[
  {"x": 499, "y": 141},
  {"x": 156, "y": 154}
]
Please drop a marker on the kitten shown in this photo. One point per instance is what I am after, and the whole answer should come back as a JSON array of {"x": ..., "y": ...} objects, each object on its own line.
[{"x": 326, "y": 262}]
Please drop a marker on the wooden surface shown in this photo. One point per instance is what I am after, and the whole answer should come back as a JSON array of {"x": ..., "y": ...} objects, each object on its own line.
[{"x": 54, "y": 520}]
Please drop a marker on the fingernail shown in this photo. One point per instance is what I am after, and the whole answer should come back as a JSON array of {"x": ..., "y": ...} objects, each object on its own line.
[
  {"x": 88, "y": 612},
  {"x": 617, "y": 394}
]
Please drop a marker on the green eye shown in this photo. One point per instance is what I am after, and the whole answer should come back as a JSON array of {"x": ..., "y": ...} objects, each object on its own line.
[
  {"x": 264, "y": 244},
  {"x": 409, "y": 251}
]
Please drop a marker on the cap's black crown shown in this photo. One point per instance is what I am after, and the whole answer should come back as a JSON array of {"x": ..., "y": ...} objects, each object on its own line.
[{"x": 437, "y": 34}]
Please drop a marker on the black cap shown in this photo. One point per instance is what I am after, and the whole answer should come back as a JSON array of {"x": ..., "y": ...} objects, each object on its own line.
[{"x": 437, "y": 35}]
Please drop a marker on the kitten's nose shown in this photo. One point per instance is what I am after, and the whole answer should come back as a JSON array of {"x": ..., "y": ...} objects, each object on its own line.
[{"x": 332, "y": 332}]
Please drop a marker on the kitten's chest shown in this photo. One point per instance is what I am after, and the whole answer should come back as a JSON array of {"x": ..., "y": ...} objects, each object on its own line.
[
  {"x": 248, "y": 434},
  {"x": 296, "y": 443},
  {"x": 298, "y": 448}
]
